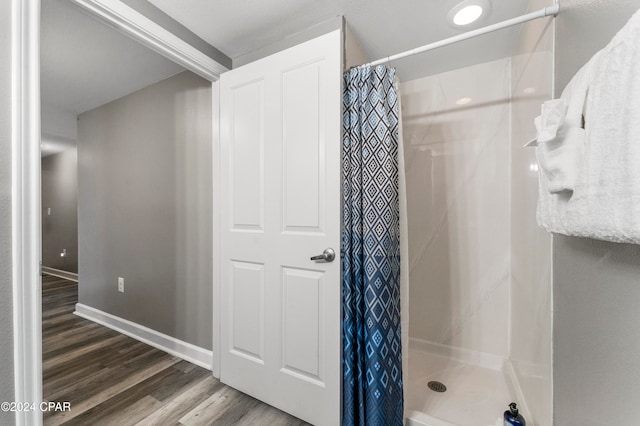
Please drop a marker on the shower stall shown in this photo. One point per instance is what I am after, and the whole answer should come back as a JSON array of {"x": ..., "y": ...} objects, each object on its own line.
[
  {"x": 476, "y": 310},
  {"x": 479, "y": 296}
]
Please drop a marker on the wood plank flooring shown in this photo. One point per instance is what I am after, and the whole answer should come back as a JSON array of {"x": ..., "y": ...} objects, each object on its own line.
[{"x": 112, "y": 379}]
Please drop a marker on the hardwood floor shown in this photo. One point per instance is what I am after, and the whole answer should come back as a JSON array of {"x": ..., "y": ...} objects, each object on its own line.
[{"x": 112, "y": 379}]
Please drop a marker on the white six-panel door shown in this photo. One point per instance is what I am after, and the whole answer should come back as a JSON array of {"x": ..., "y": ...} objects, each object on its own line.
[{"x": 280, "y": 121}]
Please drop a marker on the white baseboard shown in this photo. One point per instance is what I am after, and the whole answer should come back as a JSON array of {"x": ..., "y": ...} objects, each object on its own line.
[
  {"x": 481, "y": 359},
  {"x": 187, "y": 351},
  {"x": 71, "y": 276}
]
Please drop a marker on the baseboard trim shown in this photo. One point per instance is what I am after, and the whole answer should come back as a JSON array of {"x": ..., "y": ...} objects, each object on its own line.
[
  {"x": 481, "y": 359},
  {"x": 71, "y": 276},
  {"x": 187, "y": 351}
]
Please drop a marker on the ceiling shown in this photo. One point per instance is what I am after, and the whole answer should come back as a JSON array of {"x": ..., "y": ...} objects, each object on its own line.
[
  {"x": 85, "y": 64},
  {"x": 383, "y": 27}
]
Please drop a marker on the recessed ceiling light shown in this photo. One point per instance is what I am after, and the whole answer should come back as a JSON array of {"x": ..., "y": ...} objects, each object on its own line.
[
  {"x": 467, "y": 12},
  {"x": 463, "y": 101},
  {"x": 467, "y": 15}
]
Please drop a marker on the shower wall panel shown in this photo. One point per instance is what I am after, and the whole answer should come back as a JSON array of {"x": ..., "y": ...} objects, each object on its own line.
[
  {"x": 530, "y": 351},
  {"x": 457, "y": 149}
]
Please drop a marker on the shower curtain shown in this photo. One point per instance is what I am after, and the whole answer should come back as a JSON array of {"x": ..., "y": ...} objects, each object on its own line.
[{"x": 372, "y": 338}]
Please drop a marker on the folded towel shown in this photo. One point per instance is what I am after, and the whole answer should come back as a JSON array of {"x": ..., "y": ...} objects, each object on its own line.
[
  {"x": 551, "y": 118},
  {"x": 604, "y": 200},
  {"x": 559, "y": 159},
  {"x": 560, "y": 139}
]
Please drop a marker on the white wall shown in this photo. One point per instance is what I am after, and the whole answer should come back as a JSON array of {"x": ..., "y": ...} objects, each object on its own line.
[
  {"x": 322, "y": 28},
  {"x": 6, "y": 298},
  {"x": 530, "y": 350},
  {"x": 457, "y": 167}
]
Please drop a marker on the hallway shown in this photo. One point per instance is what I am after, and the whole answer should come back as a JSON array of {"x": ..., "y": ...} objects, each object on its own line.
[{"x": 112, "y": 379}]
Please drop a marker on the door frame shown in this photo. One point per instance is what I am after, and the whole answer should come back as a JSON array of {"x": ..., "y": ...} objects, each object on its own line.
[{"x": 26, "y": 169}]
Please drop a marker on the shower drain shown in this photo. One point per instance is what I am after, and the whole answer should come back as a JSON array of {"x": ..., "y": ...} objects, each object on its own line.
[{"x": 437, "y": 386}]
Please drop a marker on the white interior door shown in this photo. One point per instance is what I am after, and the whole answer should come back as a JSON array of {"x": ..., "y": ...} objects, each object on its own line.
[{"x": 280, "y": 123}]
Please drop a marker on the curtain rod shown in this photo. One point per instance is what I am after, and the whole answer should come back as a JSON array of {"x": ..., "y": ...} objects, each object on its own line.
[{"x": 547, "y": 11}]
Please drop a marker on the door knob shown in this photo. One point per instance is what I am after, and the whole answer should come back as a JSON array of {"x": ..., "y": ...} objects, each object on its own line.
[{"x": 328, "y": 255}]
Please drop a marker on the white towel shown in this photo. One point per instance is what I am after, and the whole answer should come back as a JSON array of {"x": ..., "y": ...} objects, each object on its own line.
[
  {"x": 604, "y": 202},
  {"x": 560, "y": 141}
]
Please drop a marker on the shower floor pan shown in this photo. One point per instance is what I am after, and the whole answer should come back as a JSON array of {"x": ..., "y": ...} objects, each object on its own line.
[{"x": 475, "y": 395}]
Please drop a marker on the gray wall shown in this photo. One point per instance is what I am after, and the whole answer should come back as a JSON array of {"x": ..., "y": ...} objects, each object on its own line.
[
  {"x": 596, "y": 284},
  {"x": 145, "y": 208},
  {"x": 6, "y": 309},
  {"x": 60, "y": 194}
]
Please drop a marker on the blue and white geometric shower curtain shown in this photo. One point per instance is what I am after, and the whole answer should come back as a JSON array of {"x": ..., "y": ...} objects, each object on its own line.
[{"x": 372, "y": 358}]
